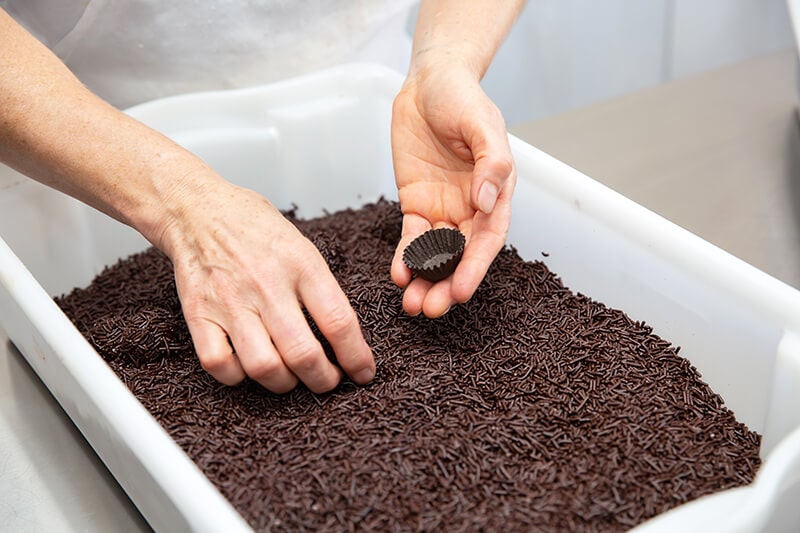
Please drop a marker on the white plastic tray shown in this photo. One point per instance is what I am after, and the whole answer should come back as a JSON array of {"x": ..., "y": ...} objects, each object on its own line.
[{"x": 322, "y": 142}]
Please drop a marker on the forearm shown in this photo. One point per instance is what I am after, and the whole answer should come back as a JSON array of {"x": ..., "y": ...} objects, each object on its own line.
[
  {"x": 241, "y": 269},
  {"x": 56, "y": 131},
  {"x": 461, "y": 33}
]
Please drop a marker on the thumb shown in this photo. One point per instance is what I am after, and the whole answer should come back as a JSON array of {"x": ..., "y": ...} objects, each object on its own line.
[
  {"x": 488, "y": 178},
  {"x": 494, "y": 163}
]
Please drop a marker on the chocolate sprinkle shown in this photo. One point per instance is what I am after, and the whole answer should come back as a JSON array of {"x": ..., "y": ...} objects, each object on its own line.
[{"x": 529, "y": 408}]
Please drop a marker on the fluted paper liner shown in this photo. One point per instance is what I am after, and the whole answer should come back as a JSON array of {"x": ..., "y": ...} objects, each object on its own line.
[{"x": 435, "y": 254}]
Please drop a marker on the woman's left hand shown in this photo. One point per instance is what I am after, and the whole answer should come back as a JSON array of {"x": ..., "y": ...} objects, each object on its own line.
[{"x": 454, "y": 168}]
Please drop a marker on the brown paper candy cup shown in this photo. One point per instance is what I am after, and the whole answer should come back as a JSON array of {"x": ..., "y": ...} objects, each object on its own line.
[{"x": 435, "y": 254}]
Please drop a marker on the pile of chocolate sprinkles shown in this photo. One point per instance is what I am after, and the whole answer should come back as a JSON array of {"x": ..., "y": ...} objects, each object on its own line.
[{"x": 528, "y": 408}]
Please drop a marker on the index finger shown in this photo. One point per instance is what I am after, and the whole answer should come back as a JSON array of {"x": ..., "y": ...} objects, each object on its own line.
[
  {"x": 413, "y": 227},
  {"x": 481, "y": 249}
]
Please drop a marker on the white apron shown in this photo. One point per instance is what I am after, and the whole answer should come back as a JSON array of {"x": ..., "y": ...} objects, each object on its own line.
[{"x": 131, "y": 51}]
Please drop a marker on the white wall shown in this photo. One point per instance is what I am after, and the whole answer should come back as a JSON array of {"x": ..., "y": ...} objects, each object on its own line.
[
  {"x": 563, "y": 54},
  {"x": 711, "y": 33}
]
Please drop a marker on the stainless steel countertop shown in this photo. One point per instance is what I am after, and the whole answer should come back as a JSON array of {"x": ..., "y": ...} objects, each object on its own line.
[{"x": 718, "y": 153}]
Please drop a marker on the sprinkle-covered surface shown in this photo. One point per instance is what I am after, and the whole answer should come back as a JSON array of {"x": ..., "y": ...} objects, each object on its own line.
[{"x": 530, "y": 408}]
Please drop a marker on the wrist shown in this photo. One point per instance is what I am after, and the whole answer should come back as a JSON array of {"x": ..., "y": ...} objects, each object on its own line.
[
  {"x": 434, "y": 86},
  {"x": 437, "y": 58},
  {"x": 181, "y": 189},
  {"x": 462, "y": 34}
]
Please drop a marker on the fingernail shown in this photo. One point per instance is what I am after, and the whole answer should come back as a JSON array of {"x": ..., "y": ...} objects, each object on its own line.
[
  {"x": 364, "y": 376},
  {"x": 487, "y": 197}
]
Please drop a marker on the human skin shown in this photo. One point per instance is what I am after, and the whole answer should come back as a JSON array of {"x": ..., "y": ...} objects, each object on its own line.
[
  {"x": 452, "y": 161},
  {"x": 243, "y": 272}
]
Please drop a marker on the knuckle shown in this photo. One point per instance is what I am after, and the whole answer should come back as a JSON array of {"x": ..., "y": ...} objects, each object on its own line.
[
  {"x": 504, "y": 167},
  {"x": 337, "y": 322},
  {"x": 214, "y": 362},
  {"x": 263, "y": 368},
  {"x": 222, "y": 367},
  {"x": 303, "y": 355}
]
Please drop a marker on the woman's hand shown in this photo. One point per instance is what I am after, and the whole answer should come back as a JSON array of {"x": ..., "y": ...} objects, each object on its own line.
[
  {"x": 243, "y": 271},
  {"x": 454, "y": 168},
  {"x": 243, "y": 274}
]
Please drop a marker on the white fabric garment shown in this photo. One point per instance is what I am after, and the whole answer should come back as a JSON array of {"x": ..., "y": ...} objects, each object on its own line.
[{"x": 131, "y": 51}]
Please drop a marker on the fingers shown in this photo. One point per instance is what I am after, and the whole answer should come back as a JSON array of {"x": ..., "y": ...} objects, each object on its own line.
[
  {"x": 243, "y": 272},
  {"x": 488, "y": 179},
  {"x": 413, "y": 227},
  {"x": 436, "y": 299},
  {"x": 276, "y": 347},
  {"x": 258, "y": 356},
  {"x": 420, "y": 296},
  {"x": 283, "y": 351},
  {"x": 486, "y": 238},
  {"x": 486, "y": 235},
  {"x": 336, "y": 320},
  {"x": 215, "y": 352},
  {"x": 254, "y": 355},
  {"x": 432, "y": 299},
  {"x": 299, "y": 348},
  {"x": 487, "y": 139},
  {"x": 475, "y": 262}
]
